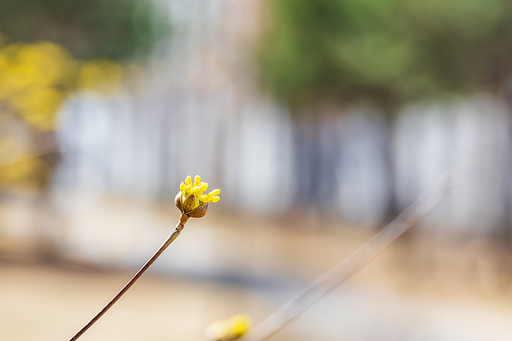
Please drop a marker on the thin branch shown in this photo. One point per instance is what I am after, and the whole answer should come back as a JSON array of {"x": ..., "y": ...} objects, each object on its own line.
[
  {"x": 350, "y": 265},
  {"x": 175, "y": 233}
]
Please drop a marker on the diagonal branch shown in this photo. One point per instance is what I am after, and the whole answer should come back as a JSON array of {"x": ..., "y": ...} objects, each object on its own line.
[
  {"x": 350, "y": 265},
  {"x": 175, "y": 233}
]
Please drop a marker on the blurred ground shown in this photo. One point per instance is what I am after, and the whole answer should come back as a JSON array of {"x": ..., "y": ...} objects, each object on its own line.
[
  {"x": 418, "y": 289},
  {"x": 51, "y": 303}
]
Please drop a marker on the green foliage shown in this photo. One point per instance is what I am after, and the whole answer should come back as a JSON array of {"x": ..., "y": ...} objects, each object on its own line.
[
  {"x": 385, "y": 51},
  {"x": 114, "y": 29}
]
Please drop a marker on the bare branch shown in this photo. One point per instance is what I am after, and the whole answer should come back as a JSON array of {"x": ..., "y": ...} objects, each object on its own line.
[{"x": 350, "y": 265}]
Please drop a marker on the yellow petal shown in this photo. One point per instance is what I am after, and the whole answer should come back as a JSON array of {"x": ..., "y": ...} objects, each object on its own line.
[
  {"x": 209, "y": 196},
  {"x": 215, "y": 199},
  {"x": 188, "y": 180},
  {"x": 216, "y": 192},
  {"x": 196, "y": 190},
  {"x": 197, "y": 180}
]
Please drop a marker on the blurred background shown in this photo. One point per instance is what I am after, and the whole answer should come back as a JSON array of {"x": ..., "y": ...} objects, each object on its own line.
[{"x": 320, "y": 121}]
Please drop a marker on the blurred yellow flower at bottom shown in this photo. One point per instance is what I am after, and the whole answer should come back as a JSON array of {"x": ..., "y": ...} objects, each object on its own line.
[
  {"x": 230, "y": 330},
  {"x": 240, "y": 325}
]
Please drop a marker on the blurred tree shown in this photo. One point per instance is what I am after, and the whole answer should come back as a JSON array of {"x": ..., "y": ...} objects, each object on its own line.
[
  {"x": 386, "y": 52},
  {"x": 113, "y": 29}
]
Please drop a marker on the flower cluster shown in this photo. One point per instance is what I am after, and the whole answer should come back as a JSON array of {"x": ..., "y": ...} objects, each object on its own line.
[
  {"x": 191, "y": 200},
  {"x": 230, "y": 330}
]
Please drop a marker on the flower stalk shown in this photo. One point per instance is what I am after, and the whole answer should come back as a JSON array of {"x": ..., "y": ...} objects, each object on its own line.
[
  {"x": 197, "y": 210},
  {"x": 175, "y": 233}
]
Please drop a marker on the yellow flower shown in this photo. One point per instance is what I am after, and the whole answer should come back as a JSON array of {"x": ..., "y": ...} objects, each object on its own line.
[
  {"x": 230, "y": 330},
  {"x": 239, "y": 325},
  {"x": 105, "y": 76},
  {"x": 191, "y": 197}
]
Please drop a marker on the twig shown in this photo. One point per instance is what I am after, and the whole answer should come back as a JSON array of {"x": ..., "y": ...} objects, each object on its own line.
[
  {"x": 350, "y": 265},
  {"x": 175, "y": 233}
]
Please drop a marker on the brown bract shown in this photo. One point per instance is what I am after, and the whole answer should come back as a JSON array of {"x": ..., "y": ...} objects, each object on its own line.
[{"x": 197, "y": 212}]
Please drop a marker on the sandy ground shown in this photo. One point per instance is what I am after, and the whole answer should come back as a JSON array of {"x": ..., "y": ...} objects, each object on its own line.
[
  {"x": 418, "y": 289},
  {"x": 41, "y": 301}
]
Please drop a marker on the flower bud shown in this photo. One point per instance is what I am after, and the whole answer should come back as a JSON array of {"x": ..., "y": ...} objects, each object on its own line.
[{"x": 191, "y": 200}]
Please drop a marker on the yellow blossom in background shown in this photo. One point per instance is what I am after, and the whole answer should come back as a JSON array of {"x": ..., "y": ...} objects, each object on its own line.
[
  {"x": 104, "y": 76},
  {"x": 39, "y": 107},
  {"x": 192, "y": 193},
  {"x": 26, "y": 171},
  {"x": 36, "y": 78},
  {"x": 230, "y": 330},
  {"x": 27, "y": 66}
]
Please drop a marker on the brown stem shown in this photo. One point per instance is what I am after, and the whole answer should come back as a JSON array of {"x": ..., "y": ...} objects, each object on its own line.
[{"x": 175, "y": 233}]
